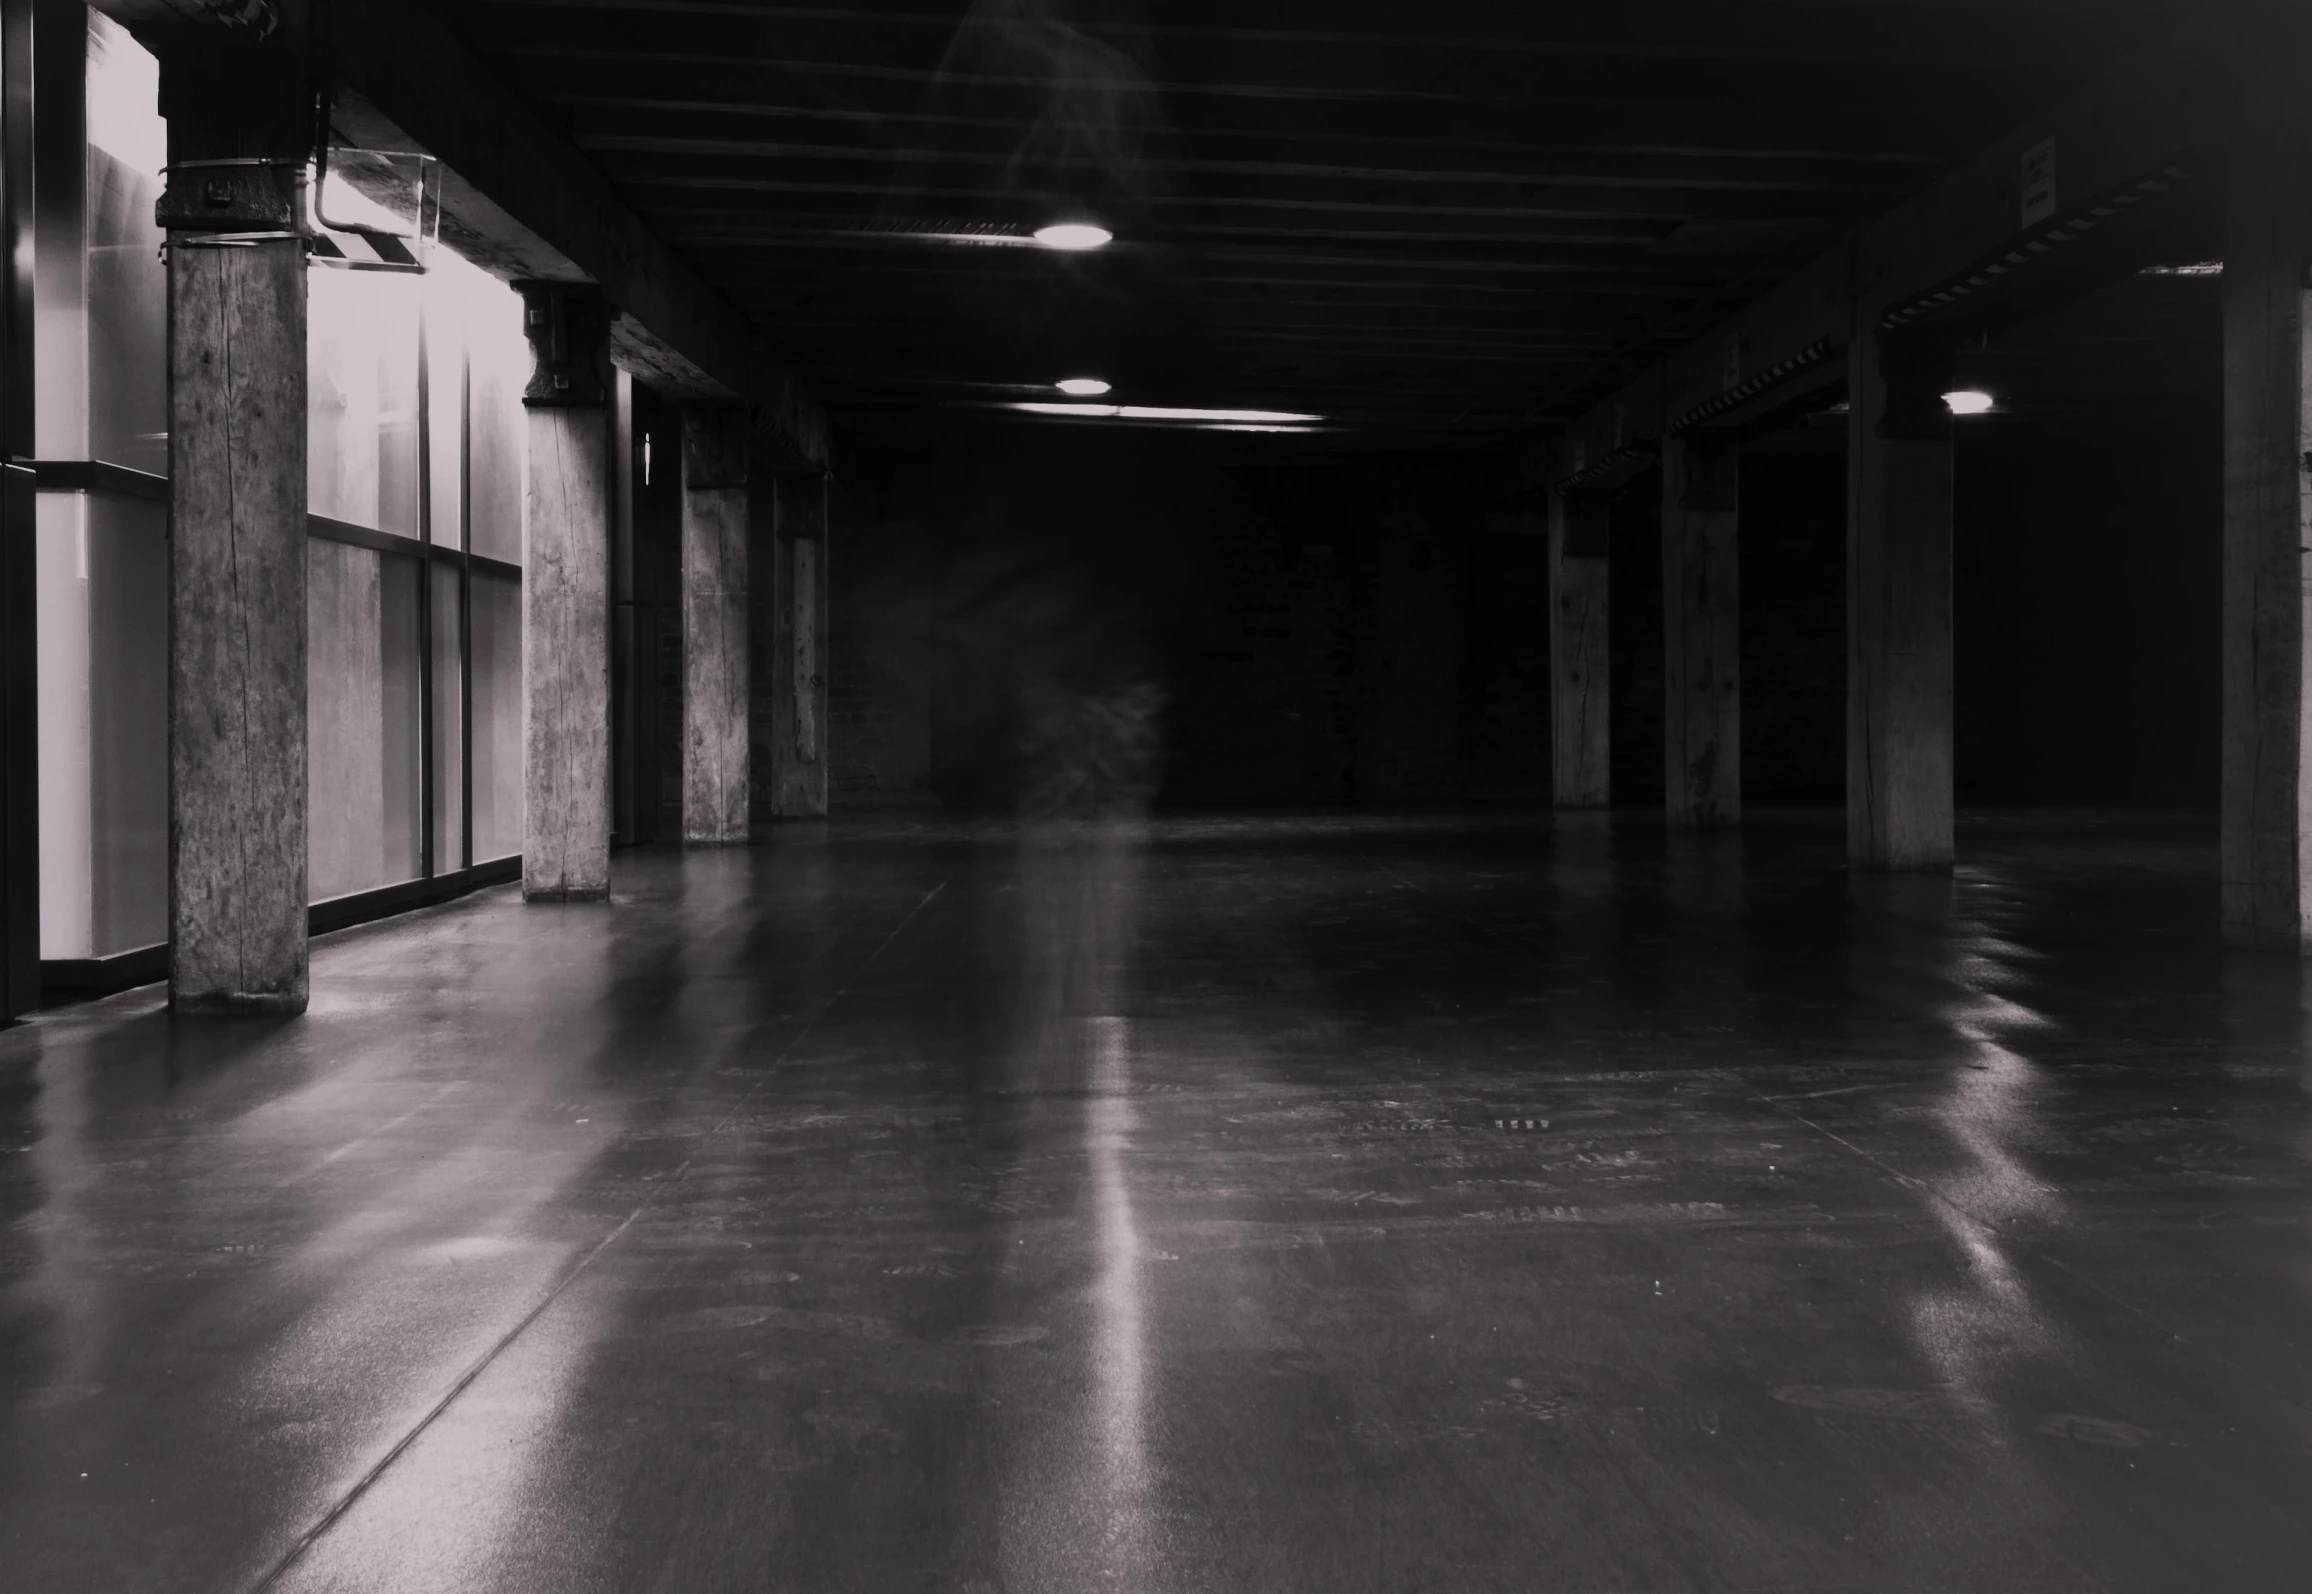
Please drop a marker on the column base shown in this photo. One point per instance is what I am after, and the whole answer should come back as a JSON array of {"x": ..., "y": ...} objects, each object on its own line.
[
  {"x": 2244, "y": 936},
  {"x": 1919, "y": 866},
  {"x": 565, "y": 893},
  {"x": 242, "y": 1004}
]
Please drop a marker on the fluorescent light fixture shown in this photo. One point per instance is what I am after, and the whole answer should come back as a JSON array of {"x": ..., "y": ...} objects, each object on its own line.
[
  {"x": 1072, "y": 235},
  {"x": 2192, "y": 268},
  {"x": 1969, "y": 401},
  {"x": 1134, "y": 412},
  {"x": 1144, "y": 412},
  {"x": 985, "y": 240},
  {"x": 1081, "y": 386}
]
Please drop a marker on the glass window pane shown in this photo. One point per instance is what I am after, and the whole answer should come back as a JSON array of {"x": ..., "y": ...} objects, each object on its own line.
[
  {"x": 474, "y": 329},
  {"x": 448, "y": 722},
  {"x": 129, "y": 719},
  {"x": 361, "y": 369},
  {"x": 361, "y": 686},
  {"x": 497, "y": 627},
  {"x": 498, "y": 365},
  {"x": 127, "y": 284},
  {"x": 60, "y": 581},
  {"x": 102, "y": 572},
  {"x": 445, "y": 425}
]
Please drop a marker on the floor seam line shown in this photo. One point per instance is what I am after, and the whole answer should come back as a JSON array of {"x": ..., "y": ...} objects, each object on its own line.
[{"x": 465, "y": 1381}]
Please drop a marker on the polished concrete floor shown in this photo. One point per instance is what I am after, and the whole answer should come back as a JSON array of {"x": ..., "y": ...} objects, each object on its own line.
[{"x": 1268, "y": 1205}]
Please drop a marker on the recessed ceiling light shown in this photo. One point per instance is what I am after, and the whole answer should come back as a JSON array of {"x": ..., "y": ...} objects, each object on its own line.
[
  {"x": 1969, "y": 401},
  {"x": 1082, "y": 386},
  {"x": 1072, "y": 235}
]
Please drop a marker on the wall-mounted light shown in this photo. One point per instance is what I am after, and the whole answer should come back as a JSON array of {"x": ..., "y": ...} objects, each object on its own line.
[
  {"x": 1073, "y": 235},
  {"x": 1081, "y": 386},
  {"x": 385, "y": 204},
  {"x": 1969, "y": 401}
]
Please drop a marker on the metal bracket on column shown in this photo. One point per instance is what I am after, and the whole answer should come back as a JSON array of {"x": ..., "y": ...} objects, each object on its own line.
[
  {"x": 1711, "y": 476},
  {"x": 714, "y": 445},
  {"x": 240, "y": 200},
  {"x": 1612, "y": 472},
  {"x": 568, "y": 324},
  {"x": 1916, "y": 366},
  {"x": 1589, "y": 528},
  {"x": 261, "y": 17},
  {"x": 242, "y": 119}
]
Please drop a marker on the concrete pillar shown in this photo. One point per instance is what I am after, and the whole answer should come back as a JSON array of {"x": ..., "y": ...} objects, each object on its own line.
[
  {"x": 796, "y": 725},
  {"x": 566, "y": 597},
  {"x": 2267, "y": 799},
  {"x": 1701, "y": 630},
  {"x": 1580, "y": 724},
  {"x": 237, "y": 444},
  {"x": 1898, "y": 633},
  {"x": 716, "y": 675}
]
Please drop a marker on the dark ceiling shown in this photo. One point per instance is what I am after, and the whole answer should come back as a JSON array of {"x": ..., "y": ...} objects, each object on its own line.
[{"x": 1435, "y": 224}]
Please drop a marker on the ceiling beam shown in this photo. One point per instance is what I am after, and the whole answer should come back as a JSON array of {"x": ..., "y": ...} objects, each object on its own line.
[
  {"x": 837, "y": 257},
  {"x": 1699, "y": 170},
  {"x": 2176, "y": 98},
  {"x": 527, "y": 203},
  {"x": 874, "y": 227},
  {"x": 1909, "y": 133},
  {"x": 1994, "y": 87},
  {"x": 1808, "y": 32},
  {"x": 659, "y": 182}
]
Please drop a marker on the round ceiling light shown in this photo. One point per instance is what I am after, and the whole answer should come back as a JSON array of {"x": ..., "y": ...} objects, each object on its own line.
[
  {"x": 1081, "y": 386},
  {"x": 1969, "y": 401},
  {"x": 1072, "y": 235}
]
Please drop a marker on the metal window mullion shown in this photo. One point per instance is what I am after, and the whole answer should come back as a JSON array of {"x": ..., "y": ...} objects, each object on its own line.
[
  {"x": 426, "y": 862},
  {"x": 466, "y": 604}
]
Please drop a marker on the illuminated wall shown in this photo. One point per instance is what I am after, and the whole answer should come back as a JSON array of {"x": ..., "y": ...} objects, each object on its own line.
[{"x": 414, "y": 579}]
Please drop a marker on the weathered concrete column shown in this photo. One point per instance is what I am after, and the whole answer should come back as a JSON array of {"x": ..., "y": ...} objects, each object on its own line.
[
  {"x": 2267, "y": 798},
  {"x": 1898, "y": 635},
  {"x": 566, "y": 597},
  {"x": 237, "y": 444},
  {"x": 797, "y": 722},
  {"x": 1580, "y": 725},
  {"x": 714, "y": 624},
  {"x": 1701, "y": 630}
]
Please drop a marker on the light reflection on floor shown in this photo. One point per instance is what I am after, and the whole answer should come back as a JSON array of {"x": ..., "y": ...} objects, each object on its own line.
[{"x": 1245, "y": 1205}]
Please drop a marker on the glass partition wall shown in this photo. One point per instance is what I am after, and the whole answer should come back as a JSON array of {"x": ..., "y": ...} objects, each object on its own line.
[
  {"x": 414, "y": 586},
  {"x": 414, "y": 572}
]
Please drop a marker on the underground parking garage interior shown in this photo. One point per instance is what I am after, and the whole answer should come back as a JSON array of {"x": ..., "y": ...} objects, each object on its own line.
[{"x": 1050, "y": 795}]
